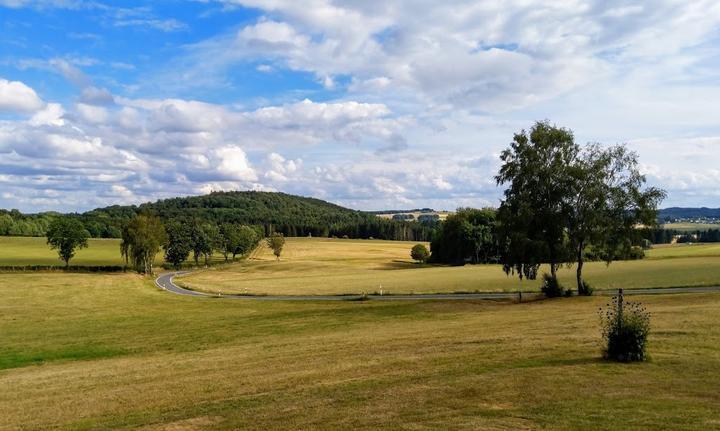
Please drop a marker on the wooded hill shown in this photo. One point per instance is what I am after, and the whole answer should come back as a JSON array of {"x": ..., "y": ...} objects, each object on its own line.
[{"x": 289, "y": 214}]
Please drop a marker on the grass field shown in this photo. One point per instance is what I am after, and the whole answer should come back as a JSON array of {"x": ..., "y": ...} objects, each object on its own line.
[
  {"x": 20, "y": 251},
  {"x": 691, "y": 227},
  {"x": 337, "y": 266},
  {"x": 35, "y": 251},
  {"x": 93, "y": 351}
]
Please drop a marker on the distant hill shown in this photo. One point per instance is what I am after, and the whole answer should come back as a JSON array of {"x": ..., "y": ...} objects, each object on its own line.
[
  {"x": 289, "y": 214},
  {"x": 677, "y": 213}
]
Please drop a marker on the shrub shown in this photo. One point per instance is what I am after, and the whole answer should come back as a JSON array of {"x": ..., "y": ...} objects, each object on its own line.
[
  {"x": 586, "y": 289},
  {"x": 625, "y": 327},
  {"x": 420, "y": 253},
  {"x": 551, "y": 287}
]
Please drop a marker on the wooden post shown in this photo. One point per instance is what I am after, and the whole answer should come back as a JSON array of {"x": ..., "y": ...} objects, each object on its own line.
[{"x": 620, "y": 306}]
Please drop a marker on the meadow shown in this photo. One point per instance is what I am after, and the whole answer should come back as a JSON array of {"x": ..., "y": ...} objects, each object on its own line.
[
  {"x": 342, "y": 266},
  {"x": 690, "y": 227},
  {"x": 100, "y": 351}
]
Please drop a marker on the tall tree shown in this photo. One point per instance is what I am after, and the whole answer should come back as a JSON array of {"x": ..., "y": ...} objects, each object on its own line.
[
  {"x": 276, "y": 242},
  {"x": 532, "y": 217},
  {"x": 67, "y": 234},
  {"x": 177, "y": 247},
  {"x": 606, "y": 203},
  {"x": 142, "y": 238}
]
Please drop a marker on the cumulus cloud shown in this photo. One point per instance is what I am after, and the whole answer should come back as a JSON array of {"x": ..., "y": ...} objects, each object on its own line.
[{"x": 18, "y": 97}]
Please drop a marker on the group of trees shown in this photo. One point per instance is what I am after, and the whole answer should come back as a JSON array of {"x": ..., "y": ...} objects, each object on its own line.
[
  {"x": 469, "y": 235},
  {"x": 563, "y": 198},
  {"x": 564, "y": 204},
  {"x": 144, "y": 235}
]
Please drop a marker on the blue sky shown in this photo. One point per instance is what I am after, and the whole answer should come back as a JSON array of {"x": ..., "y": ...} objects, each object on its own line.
[{"x": 367, "y": 104}]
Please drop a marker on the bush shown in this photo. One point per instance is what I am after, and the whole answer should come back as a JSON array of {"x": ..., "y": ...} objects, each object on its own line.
[
  {"x": 551, "y": 287},
  {"x": 625, "y": 328},
  {"x": 420, "y": 253},
  {"x": 586, "y": 289}
]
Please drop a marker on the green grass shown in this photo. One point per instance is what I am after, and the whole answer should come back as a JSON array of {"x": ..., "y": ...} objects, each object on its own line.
[
  {"x": 691, "y": 227},
  {"x": 94, "y": 351},
  {"x": 336, "y": 266},
  {"x": 21, "y": 251},
  {"x": 35, "y": 251}
]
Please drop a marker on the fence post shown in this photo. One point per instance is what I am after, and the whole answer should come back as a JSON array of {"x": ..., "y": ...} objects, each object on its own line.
[{"x": 620, "y": 306}]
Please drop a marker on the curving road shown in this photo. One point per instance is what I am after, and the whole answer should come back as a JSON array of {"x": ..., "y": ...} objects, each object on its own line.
[{"x": 165, "y": 282}]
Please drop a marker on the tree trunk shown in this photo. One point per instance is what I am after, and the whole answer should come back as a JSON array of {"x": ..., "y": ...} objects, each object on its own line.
[{"x": 580, "y": 263}]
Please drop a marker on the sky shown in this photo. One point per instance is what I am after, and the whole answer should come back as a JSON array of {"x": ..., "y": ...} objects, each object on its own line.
[{"x": 371, "y": 105}]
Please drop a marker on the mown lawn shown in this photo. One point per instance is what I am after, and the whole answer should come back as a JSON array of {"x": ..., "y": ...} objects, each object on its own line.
[
  {"x": 90, "y": 351},
  {"x": 337, "y": 266}
]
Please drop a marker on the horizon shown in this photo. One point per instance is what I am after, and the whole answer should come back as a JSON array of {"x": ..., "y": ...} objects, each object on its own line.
[
  {"x": 379, "y": 210},
  {"x": 367, "y": 106}
]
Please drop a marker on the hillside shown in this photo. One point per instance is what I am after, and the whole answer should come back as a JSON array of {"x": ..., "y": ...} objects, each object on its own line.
[
  {"x": 289, "y": 214},
  {"x": 677, "y": 213}
]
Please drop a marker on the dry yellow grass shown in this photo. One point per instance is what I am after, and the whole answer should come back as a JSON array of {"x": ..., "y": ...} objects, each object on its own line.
[
  {"x": 312, "y": 266},
  {"x": 175, "y": 363}
]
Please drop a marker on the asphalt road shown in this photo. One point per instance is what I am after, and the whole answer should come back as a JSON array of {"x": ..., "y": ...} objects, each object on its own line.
[{"x": 165, "y": 282}]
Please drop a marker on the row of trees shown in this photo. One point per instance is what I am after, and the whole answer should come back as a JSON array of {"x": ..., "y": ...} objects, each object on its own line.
[{"x": 145, "y": 235}]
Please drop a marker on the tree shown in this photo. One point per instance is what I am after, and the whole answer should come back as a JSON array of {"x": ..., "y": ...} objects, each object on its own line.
[
  {"x": 67, "y": 234},
  {"x": 532, "y": 217},
  {"x": 203, "y": 237},
  {"x": 276, "y": 242},
  {"x": 420, "y": 253},
  {"x": 177, "y": 247},
  {"x": 248, "y": 239},
  {"x": 229, "y": 240},
  {"x": 142, "y": 238},
  {"x": 606, "y": 204}
]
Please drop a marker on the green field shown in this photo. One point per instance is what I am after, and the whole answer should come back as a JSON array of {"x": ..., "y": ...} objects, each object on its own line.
[
  {"x": 35, "y": 251},
  {"x": 690, "y": 227},
  {"x": 337, "y": 266},
  {"x": 94, "y": 351}
]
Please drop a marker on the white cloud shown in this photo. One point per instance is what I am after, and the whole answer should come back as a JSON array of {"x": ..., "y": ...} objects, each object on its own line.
[{"x": 18, "y": 97}]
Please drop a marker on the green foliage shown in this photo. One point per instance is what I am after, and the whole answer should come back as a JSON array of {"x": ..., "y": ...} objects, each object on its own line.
[
  {"x": 562, "y": 198},
  {"x": 551, "y": 287},
  {"x": 420, "y": 253},
  {"x": 178, "y": 245},
  {"x": 66, "y": 235},
  {"x": 288, "y": 214},
  {"x": 276, "y": 242},
  {"x": 142, "y": 238},
  {"x": 531, "y": 218},
  {"x": 469, "y": 234},
  {"x": 625, "y": 327}
]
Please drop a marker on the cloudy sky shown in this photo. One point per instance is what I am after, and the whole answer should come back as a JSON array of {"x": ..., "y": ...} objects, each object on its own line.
[{"x": 371, "y": 105}]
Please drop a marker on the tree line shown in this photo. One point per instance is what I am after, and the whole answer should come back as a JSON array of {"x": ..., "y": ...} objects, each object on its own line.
[
  {"x": 273, "y": 212},
  {"x": 146, "y": 235}
]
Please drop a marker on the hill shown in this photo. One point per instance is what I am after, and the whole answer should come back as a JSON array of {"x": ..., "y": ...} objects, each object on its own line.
[
  {"x": 292, "y": 215},
  {"x": 677, "y": 213}
]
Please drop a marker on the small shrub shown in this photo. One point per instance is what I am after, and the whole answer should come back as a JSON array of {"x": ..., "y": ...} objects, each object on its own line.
[
  {"x": 551, "y": 287},
  {"x": 625, "y": 328},
  {"x": 586, "y": 289}
]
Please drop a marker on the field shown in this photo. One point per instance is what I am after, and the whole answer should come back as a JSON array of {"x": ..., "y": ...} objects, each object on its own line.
[
  {"x": 100, "y": 351},
  {"x": 691, "y": 227},
  {"x": 20, "y": 251},
  {"x": 337, "y": 266},
  {"x": 35, "y": 251}
]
